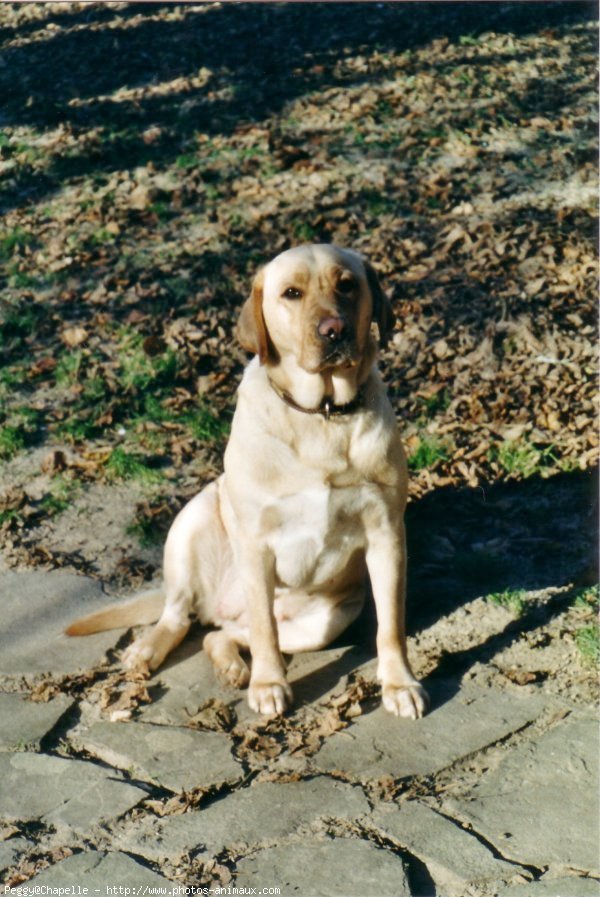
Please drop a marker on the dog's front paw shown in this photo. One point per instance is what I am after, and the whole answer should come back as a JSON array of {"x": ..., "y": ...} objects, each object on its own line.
[
  {"x": 410, "y": 701},
  {"x": 236, "y": 674},
  {"x": 140, "y": 655},
  {"x": 269, "y": 698}
]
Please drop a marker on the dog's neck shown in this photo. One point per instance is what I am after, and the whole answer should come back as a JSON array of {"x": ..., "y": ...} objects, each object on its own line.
[
  {"x": 327, "y": 409},
  {"x": 312, "y": 392}
]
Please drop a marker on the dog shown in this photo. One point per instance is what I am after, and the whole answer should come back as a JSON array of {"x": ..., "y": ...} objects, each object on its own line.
[{"x": 276, "y": 553}]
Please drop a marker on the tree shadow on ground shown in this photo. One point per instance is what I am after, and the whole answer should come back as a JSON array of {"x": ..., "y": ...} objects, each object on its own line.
[{"x": 256, "y": 59}]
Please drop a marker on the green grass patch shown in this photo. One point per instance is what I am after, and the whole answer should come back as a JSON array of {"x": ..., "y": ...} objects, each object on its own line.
[
  {"x": 95, "y": 389},
  {"x": 78, "y": 428},
  {"x": 123, "y": 465},
  {"x": 434, "y": 404},
  {"x": 428, "y": 454},
  {"x": 20, "y": 429},
  {"x": 68, "y": 367},
  {"x": 513, "y": 600},
  {"x": 94, "y": 396},
  {"x": 587, "y": 637},
  {"x": 128, "y": 390},
  {"x": 19, "y": 320},
  {"x": 146, "y": 532},
  {"x": 162, "y": 210},
  {"x": 139, "y": 371},
  {"x": 11, "y": 241},
  {"x": 201, "y": 423},
  {"x": 206, "y": 426},
  {"x": 304, "y": 232},
  {"x": 187, "y": 161},
  {"x": 588, "y": 599},
  {"x": 100, "y": 237},
  {"x": 179, "y": 288},
  {"x": 60, "y": 495},
  {"x": 12, "y": 441},
  {"x": 522, "y": 459},
  {"x": 11, "y": 515},
  {"x": 23, "y": 280}
]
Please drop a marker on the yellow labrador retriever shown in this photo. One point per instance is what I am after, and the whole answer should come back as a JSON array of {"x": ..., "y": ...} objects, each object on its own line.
[{"x": 276, "y": 553}]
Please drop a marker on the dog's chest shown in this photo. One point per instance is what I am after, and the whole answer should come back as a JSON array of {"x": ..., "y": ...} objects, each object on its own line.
[{"x": 314, "y": 533}]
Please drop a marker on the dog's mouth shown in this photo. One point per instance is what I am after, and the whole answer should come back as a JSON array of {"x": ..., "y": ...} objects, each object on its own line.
[
  {"x": 341, "y": 354},
  {"x": 339, "y": 358}
]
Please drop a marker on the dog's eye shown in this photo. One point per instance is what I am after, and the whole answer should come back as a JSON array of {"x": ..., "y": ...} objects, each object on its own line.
[
  {"x": 346, "y": 285},
  {"x": 292, "y": 293}
]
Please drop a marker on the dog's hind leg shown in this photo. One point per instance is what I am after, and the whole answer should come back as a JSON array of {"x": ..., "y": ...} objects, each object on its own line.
[
  {"x": 195, "y": 552},
  {"x": 149, "y": 651},
  {"x": 224, "y": 654}
]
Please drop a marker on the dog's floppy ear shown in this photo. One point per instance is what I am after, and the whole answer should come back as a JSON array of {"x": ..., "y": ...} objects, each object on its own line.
[
  {"x": 252, "y": 331},
  {"x": 382, "y": 310}
]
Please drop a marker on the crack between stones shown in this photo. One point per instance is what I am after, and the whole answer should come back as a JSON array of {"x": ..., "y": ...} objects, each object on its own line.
[
  {"x": 418, "y": 876},
  {"x": 51, "y": 742},
  {"x": 536, "y": 871},
  {"x": 410, "y": 787},
  {"x": 70, "y": 752},
  {"x": 432, "y": 785}
]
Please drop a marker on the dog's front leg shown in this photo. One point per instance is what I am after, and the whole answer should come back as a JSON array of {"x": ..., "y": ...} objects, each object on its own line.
[
  {"x": 268, "y": 692},
  {"x": 402, "y": 694}
]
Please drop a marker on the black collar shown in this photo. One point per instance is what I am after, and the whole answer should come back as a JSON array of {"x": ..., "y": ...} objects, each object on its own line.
[{"x": 327, "y": 408}]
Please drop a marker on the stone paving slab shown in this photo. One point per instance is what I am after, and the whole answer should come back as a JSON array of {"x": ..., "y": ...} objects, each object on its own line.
[
  {"x": 36, "y": 607},
  {"x": 333, "y": 868},
  {"x": 540, "y": 806},
  {"x": 317, "y": 675},
  {"x": 454, "y": 858},
  {"x": 566, "y": 886},
  {"x": 379, "y": 744},
  {"x": 25, "y": 722},
  {"x": 178, "y": 759},
  {"x": 62, "y": 792},
  {"x": 188, "y": 682},
  {"x": 100, "y": 870},
  {"x": 251, "y": 816}
]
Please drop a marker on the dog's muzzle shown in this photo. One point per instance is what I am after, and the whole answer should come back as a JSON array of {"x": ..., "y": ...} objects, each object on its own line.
[{"x": 336, "y": 338}]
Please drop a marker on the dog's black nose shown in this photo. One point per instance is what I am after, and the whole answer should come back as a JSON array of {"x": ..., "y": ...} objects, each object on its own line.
[{"x": 332, "y": 329}]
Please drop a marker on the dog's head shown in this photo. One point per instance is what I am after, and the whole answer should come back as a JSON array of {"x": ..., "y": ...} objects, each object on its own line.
[{"x": 315, "y": 303}]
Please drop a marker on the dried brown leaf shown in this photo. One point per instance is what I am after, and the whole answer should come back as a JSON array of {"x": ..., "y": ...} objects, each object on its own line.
[
  {"x": 74, "y": 336},
  {"x": 214, "y": 715}
]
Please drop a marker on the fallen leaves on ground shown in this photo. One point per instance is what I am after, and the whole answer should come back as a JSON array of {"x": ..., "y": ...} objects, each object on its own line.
[
  {"x": 118, "y": 692},
  {"x": 456, "y": 150},
  {"x": 303, "y": 734},
  {"x": 122, "y": 693},
  {"x": 214, "y": 715}
]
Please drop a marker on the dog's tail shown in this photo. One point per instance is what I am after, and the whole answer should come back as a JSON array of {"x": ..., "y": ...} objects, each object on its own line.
[{"x": 144, "y": 608}]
